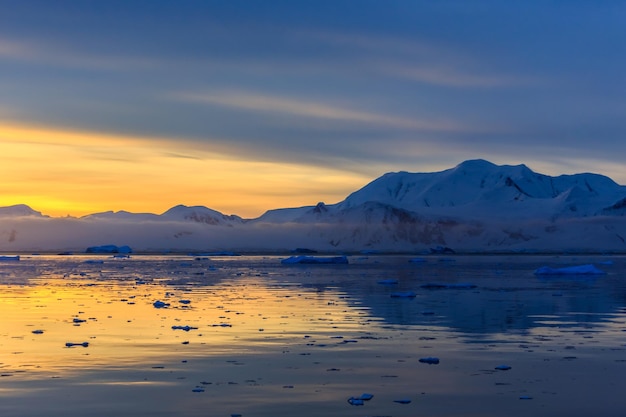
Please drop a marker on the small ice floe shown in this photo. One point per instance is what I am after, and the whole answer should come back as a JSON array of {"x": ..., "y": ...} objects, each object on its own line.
[
  {"x": 109, "y": 249},
  {"x": 184, "y": 328},
  {"x": 301, "y": 259},
  {"x": 160, "y": 304},
  {"x": 198, "y": 388},
  {"x": 403, "y": 294},
  {"x": 525, "y": 397},
  {"x": 94, "y": 261},
  {"x": 455, "y": 286},
  {"x": 70, "y": 344},
  {"x": 77, "y": 320},
  {"x": 431, "y": 360},
  {"x": 389, "y": 281},
  {"x": 37, "y": 331},
  {"x": 402, "y": 401},
  {"x": 184, "y": 301},
  {"x": 503, "y": 367},
  {"x": 6, "y": 258},
  {"x": 222, "y": 325},
  {"x": 588, "y": 269},
  {"x": 417, "y": 260},
  {"x": 355, "y": 401}
]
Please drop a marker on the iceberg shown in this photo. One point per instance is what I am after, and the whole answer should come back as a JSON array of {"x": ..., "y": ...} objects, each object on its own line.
[
  {"x": 301, "y": 259},
  {"x": 456, "y": 286},
  {"x": 403, "y": 294},
  {"x": 588, "y": 269},
  {"x": 109, "y": 249},
  {"x": 10, "y": 258}
]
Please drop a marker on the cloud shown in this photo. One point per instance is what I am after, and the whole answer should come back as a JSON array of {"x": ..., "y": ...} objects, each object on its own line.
[
  {"x": 65, "y": 56},
  {"x": 311, "y": 109},
  {"x": 416, "y": 59}
]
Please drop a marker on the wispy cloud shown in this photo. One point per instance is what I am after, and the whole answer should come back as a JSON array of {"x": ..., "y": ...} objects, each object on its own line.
[
  {"x": 311, "y": 109},
  {"x": 419, "y": 60},
  {"x": 60, "y": 55}
]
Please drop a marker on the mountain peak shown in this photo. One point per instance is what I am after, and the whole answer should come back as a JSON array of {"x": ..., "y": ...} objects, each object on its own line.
[{"x": 19, "y": 210}]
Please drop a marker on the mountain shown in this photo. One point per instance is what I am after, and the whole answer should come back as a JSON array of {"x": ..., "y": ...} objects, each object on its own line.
[
  {"x": 476, "y": 206},
  {"x": 19, "y": 210}
]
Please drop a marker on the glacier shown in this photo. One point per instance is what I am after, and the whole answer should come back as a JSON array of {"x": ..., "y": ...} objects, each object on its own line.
[{"x": 475, "y": 207}]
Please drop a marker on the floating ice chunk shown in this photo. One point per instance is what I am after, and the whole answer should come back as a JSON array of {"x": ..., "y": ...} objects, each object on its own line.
[
  {"x": 430, "y": 360},
  {"x": 417, "y": 260},
  {"x": 355, "y": 401},
  {"x": 184, "y": 301},
  {"x": 83, "y": 344},
  {"x": 198, "y": 388},
  {"x": 109, "y": 249},
  {"x": 456, "y": 286},
  {"x": 185, "y": 328},
  {"x": 301, "y": 259},
  {"x": 402, "y": 401},
  {"x": 10, "y": 258},
  {"x": 37, "y": 331},
  {"x": 77, "y": 320},
  {"x": 389, "y": 281},
  {"x": 160, "y": 304},
  {"x": 525, "y": 397},
  {"x": 403, "y": 294},
  {"x": 94, "y": 261},
  {"x": 588, "y": 269},
  {"x": 503, "y": 367},
  {"x": 366, "y": 397}
]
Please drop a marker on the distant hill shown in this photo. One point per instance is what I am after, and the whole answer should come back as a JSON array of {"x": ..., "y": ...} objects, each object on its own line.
[{"x": 476, "y": 206}]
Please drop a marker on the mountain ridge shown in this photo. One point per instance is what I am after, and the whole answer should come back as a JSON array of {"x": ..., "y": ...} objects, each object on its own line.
[{"x": 476, "y": 206}]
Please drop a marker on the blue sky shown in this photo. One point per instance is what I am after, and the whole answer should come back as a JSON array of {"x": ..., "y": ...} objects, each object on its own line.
[{"x": 356, "y": 88}]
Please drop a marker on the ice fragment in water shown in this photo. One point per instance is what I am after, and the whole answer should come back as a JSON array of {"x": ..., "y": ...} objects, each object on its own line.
[
  {"x": 355, "y": 401},
  {"x": 160, "y": 304},
  {"x": 402, "y": 401},
  {"x": 70, "y": 344},
  {"x": 315, "y": 260},
  {"x": 503, "y": 367},
  {"x": 389, "y": 281},
  {"x": 185, "y": 328},
  {"x": 366, "y": 397},
  {"x": 403, "y": 294},
  {"x": 588, "y": 269},
  {"x": 430, "y": 360},
  {"x": 37, "y": 332}
]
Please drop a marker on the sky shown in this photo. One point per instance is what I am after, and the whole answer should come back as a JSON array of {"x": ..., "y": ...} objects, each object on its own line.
[{"x": 245, "y": 106}]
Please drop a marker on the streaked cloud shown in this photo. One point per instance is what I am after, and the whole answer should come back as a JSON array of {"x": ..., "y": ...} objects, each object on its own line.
[{"x": 289, "y": 106}]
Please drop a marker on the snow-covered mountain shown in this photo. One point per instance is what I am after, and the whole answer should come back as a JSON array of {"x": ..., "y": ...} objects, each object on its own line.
[{"x": 476, "y": 206}]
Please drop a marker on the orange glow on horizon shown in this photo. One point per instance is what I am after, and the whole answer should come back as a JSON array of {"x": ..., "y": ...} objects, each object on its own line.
[{"x": 65, "y": 172}]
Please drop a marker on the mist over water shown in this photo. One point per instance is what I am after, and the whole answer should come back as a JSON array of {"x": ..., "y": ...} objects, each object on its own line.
[{"x": 197, "y": 336}]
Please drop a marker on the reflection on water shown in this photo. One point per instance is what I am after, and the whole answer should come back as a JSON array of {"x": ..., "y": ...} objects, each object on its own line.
[{"x": 248, "y": 335}]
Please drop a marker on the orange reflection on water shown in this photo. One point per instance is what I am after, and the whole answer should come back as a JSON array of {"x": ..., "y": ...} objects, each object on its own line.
[{"x": 121, "y": 325}]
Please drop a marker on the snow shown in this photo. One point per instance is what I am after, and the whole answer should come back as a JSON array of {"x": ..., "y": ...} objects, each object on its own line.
[{"x": 476, "y": 206}]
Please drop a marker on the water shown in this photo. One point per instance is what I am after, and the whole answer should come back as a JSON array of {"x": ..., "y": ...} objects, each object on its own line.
[{"x": 265, "y": 339}]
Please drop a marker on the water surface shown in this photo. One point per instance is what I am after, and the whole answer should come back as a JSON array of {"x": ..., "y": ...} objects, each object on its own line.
[{"x": 247, "y": 335}]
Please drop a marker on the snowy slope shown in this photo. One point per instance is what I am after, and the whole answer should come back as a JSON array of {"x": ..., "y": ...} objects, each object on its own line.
[{"x": 474, "y": 207}]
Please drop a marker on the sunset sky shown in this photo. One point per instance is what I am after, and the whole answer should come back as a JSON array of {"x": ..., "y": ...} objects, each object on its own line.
[{"x": 243, "y": 106}]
